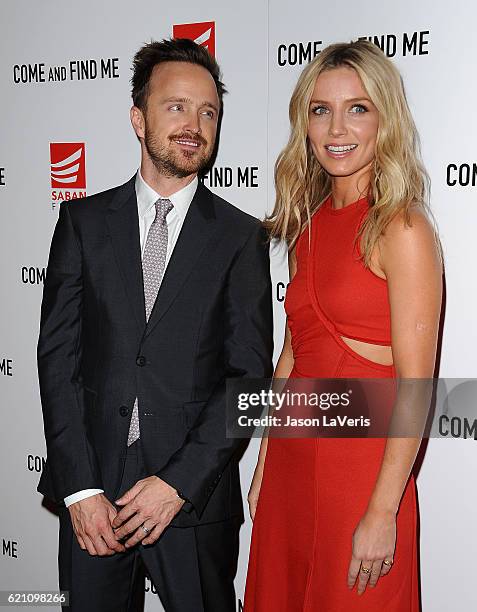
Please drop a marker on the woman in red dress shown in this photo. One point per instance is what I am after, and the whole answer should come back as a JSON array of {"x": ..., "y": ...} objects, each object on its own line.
[{"x": 335, "y": 519}]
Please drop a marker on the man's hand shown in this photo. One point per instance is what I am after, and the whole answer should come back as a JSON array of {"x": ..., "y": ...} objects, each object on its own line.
[
  {"x": 91, "y": 519},
  {"x": 150, "y": 505}
]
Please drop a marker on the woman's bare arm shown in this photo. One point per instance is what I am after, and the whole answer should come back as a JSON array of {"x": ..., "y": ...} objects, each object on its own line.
[{"x": 410, "y": 260}]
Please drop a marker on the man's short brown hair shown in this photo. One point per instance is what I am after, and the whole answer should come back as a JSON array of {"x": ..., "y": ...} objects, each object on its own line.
[{"x": 170, "y": 50}]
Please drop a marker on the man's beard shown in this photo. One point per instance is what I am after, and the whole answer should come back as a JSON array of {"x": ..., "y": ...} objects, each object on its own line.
[{"x": 179, "y": 164}]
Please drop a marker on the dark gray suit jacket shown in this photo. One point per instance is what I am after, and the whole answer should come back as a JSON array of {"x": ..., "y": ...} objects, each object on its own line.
[{"x": 212, "y": 320}]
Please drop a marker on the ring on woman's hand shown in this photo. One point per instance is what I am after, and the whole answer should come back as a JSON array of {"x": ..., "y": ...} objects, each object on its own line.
[
  {"x": 145, "y": 529},
  {"x": 388, "y": 562},
  {"x": 365, "y": 570}
]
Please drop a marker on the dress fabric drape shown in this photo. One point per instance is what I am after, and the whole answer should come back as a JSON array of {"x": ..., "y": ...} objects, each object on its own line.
[{"x": 315, "y": 490}]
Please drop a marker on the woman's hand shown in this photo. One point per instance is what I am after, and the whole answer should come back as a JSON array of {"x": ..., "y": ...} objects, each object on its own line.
[
  {"x": 374, "y": 541},
  {"x": 255, "y": 489}
]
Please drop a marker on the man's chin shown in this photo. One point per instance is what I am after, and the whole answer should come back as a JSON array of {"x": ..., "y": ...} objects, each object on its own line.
[
  {"x": 189, "y": 166},
  {"x": 176, "y": 170},
  {"x": 183, "y": 171}
]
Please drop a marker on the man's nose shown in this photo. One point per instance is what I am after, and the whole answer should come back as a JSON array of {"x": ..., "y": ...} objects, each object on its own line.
[{"x": 193, "y": 123}]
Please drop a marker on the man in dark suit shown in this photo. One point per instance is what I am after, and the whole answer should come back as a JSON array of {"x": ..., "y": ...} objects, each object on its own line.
[{"x": 156, "y": 292}]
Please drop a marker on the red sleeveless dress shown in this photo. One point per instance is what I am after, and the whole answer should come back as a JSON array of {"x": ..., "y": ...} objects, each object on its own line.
[{"x": 315, "y": 490}]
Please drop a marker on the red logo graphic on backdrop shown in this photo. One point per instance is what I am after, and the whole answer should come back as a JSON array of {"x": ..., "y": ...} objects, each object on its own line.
[
  {"x": 68, "y": 165},
  {"x": 201, "y": 33}
]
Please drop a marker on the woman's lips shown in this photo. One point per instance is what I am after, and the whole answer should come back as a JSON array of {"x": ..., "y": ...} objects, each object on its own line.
[{"x": 340, "y": 151}]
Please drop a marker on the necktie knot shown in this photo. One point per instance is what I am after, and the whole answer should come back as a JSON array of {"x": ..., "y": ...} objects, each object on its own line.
[{"x": 163, "y": 208}]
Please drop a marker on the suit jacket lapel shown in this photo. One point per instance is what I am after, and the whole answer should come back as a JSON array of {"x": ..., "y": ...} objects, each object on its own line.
[
  {"x": 123, "y": 222},
  {"x": 195, "y": 233}
]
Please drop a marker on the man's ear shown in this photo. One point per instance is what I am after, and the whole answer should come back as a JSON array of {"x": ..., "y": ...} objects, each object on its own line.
[{"x": 137, "y": 121}]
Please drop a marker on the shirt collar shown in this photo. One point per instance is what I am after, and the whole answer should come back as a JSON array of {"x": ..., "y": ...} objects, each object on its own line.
[{"x": 147, "y": 197}]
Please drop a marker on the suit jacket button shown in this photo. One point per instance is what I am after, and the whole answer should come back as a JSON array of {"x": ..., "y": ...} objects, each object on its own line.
[
  {"x": 141, "y": 361},
  {"x": 124, "y": 411}
]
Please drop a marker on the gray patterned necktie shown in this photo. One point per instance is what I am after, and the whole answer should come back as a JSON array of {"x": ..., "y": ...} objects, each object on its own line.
[{"x": 153, "y": 266}]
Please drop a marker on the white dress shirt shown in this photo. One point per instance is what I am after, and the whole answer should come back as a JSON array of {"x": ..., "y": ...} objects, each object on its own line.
[{"x": 146, "y": 198}]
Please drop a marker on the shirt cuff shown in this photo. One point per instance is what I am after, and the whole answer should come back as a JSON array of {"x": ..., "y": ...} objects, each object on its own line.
[{"x": 80, "y": 495}]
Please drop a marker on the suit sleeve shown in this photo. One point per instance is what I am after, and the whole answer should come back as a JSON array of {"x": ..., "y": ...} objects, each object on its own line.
[
  {"x": 70, "y": 456},
  {"x": 195, "y": 469}
]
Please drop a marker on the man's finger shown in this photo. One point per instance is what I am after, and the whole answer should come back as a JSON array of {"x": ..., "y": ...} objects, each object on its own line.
[
  {"x": 82, "y": 537},
  {"x": 112, "y": 512},
  {"x": 93, "y": 532},
  {"x": 109, "y": 537},
  {"x": 138, "y": 535},
  {"x": 353, "y": 571},
  {"x": 90, "y": 547},
  {"x": 129, "y": 495},
  {"x": 124, "y": 514},
  {"x": 154, "y": 535},
  {"x": 81, "y": 543},
  {"x": 129, "y": 527},
  {"x": 102, "y": 548}
]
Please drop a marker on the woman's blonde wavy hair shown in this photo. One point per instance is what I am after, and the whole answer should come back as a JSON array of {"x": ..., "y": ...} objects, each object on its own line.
[{"x": 399, "y": 179}]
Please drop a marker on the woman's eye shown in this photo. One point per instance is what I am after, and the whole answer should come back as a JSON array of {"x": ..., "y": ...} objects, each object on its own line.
[
  {"x": 358, "y": 108},
  {"x": 319, "y": 110}
]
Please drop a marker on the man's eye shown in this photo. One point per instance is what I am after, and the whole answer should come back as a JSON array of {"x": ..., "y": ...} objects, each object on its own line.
[
  {"x": 176, "y": 107},
  {"x": 209, "y": 114}
]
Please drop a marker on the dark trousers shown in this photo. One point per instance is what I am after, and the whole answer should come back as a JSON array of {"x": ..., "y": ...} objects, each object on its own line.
[{"x": 192, "y": 568}]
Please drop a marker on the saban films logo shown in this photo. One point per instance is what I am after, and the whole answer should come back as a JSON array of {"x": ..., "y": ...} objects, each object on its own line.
[
  {"x": 67, "y": 171},
  {"x": 201, "y": 33}
]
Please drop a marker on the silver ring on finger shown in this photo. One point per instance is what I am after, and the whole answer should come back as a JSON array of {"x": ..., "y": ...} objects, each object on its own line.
[{"x": 145, "y": 529}]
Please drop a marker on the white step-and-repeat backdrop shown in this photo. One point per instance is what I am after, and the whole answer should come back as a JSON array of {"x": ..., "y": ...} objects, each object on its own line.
[{"x": 64, "y": 76}]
